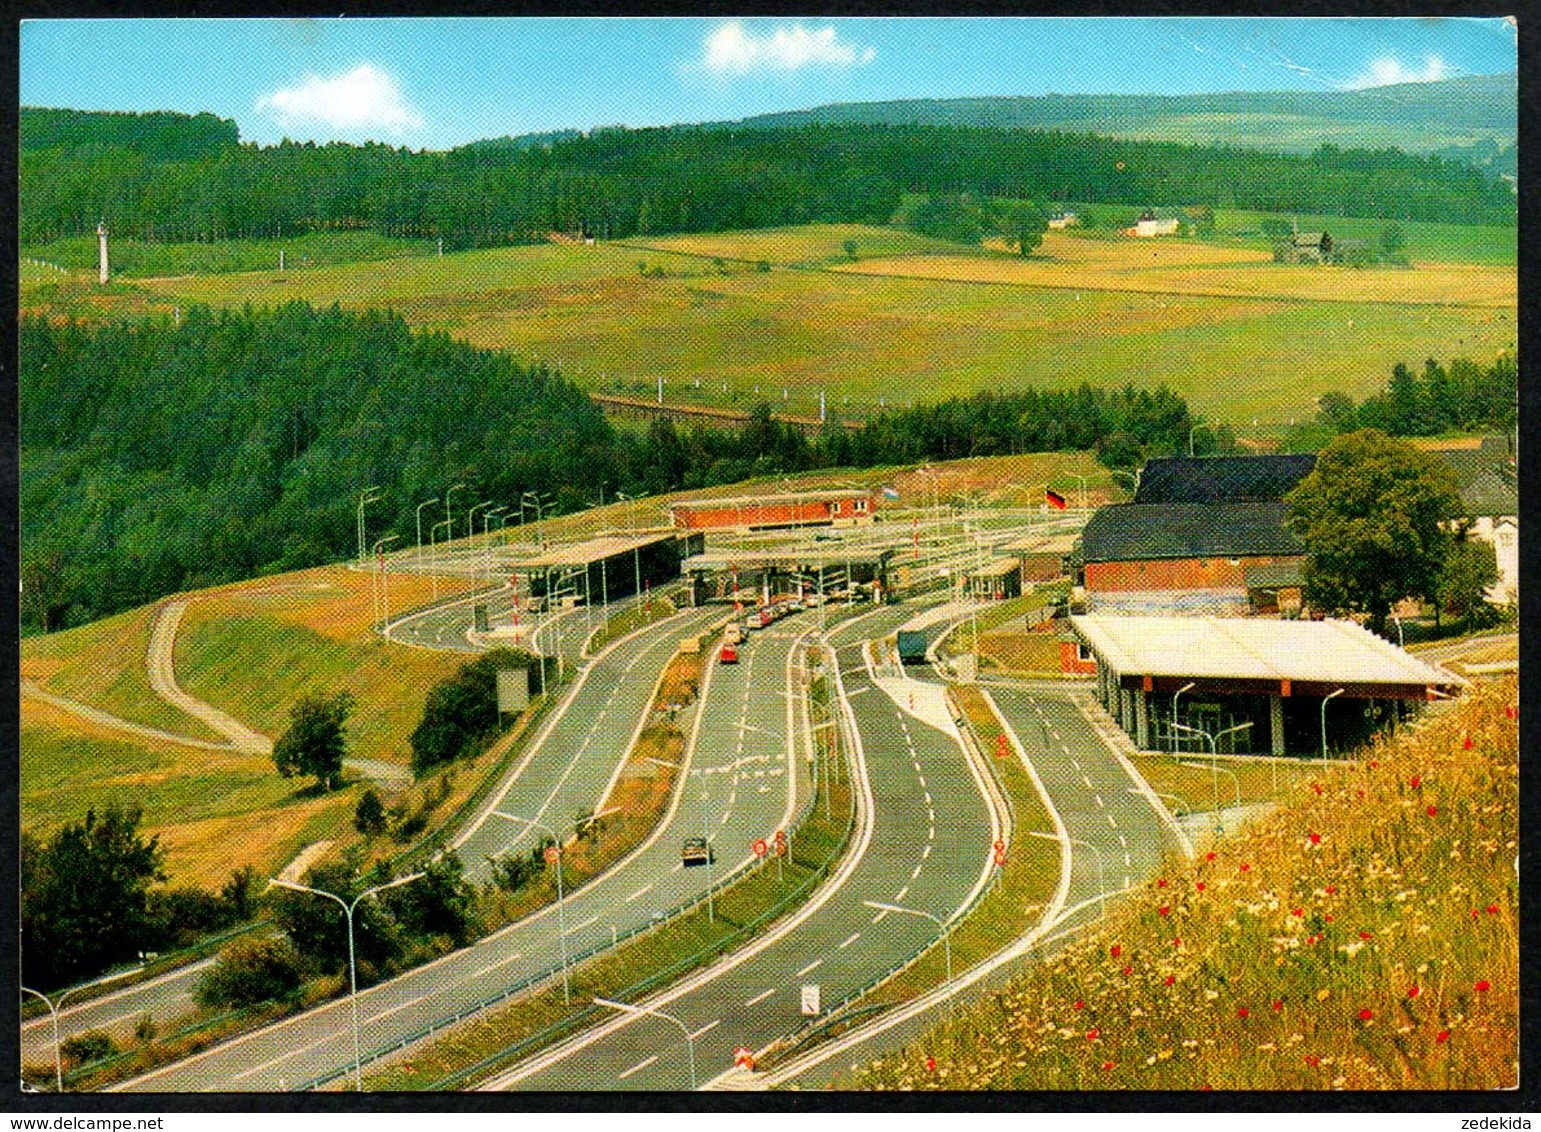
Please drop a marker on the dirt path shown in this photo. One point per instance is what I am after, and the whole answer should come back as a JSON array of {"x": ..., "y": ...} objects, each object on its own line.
[
  {"x": 163, "y": 680},
  {"x": 95, "y": 715}
]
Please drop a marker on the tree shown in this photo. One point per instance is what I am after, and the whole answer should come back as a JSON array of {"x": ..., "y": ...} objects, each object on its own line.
[
  {"x": 462, "y": 710},
  {"x": 369, "y": 815},
  {"x": 316, "y": 740},
  {"x": 850, "y": 249},
  {"x": 1373, "y": 516},
  {"x": 252, "y": 970},
  {"x": 83, "y": 896},
  {"x": 1392, "y": 243},
  {"x": 1470, "y": 568},
  {"x": 1337, "y": 410}
]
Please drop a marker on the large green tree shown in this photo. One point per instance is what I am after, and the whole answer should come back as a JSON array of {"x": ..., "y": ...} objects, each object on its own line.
[
  {"x": 316, "y": 740},
  {"x": 1374, "y": 515}
]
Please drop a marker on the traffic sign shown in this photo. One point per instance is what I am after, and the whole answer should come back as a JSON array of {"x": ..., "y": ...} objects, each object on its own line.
[
  {"x": 1000, "y": 860},
  {"x": 743, "y": 1057},
  {"x": 552, "y": 853},
  {"x": 999, "y": 847},
  {"x": 781, "y": 848},
  {"x": 759, "y": 847},
  {"x": 781, "y": 837},
  {"x": 811, "y": 999}
]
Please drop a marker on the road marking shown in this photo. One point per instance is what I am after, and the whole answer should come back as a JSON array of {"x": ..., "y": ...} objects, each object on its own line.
[
  {"x": 853, "y": 938},
  {"x": 639, "y": 892},
  {"x": 641, "y": 1065},
  {"x": 1127, "y": 859},
  {"x": 926, "y": 852},
  {"x": 857, "y": 691},
  {"x": 808, "y": 968},
  {"x": 760, "y": 997},
  {"x": 928, "y": 797},
  {"x": 931, "y": 834},
  {"x": 495, "y": 966},
  {"x": 1100, "y": 803},
  {"x": 902, "y": 893},
  {"x": 586, "y": 923},
  {"x": 707, "y": 1027},
  {"x": 1122, "y": 843},
  {"x": 1087, "y": 781},
  {"x": 1111, "y": 822},
  {"x": 881, "y": 915},
  {"x": 915, "y": 872},
  {"x": 678, "y": 865}
]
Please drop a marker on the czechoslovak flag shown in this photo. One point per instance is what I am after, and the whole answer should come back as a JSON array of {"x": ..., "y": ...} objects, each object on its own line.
[{"x": 1054, "y": 499}]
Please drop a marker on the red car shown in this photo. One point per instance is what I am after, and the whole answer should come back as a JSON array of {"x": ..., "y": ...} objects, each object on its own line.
[{"x": 729, "y": 655}]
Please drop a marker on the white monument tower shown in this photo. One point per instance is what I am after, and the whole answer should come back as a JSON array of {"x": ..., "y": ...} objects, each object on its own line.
[{"x": 101, "y": 243}]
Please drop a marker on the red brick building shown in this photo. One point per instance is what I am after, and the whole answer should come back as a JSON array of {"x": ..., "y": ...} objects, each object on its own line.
[{"x": 836, "y": 507}]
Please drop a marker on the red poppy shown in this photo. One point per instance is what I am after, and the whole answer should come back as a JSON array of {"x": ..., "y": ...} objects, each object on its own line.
[
  {"x": 1177, "y": 941},
  {"x": 1297, "y": 911},
  {"x": 1210, "y": 856},
  {"x": 1161, "y": 882},
  {"x": 1313, "y": 939},
  {"x": 1246, "y": 868},
  {"x": 1313, "y": 1061},
  {"x": 1079, "y": 1005},
  {"x": 1315, "y": 787},
  {"x": 1165, "y": 910},
  {"x": 931, "y": 1064},
  {"x": 1366, "y": 1014},
  {"x": 1332, "y": 890},
  {"x": 1199, "y": 886},
  {"x": 1466, "y": 743},
  {"x": 1374, "y": 764},
  {"x": 1413, "y": 992},
  {"x": 1091, "y": 1035},
  {"x": 1415, "y": 781},
  {"x": 1242, "y": 1012},
  {"x": 1511, "y": 712},
  {"x": 1278, "y": 1004},
  {"x": 1432, "y": 810},
  {"x": 1475, "y": 913},
  {"x": 1316, "y": 839},
  {"x": 1106, "y": 1065},
  {"x": 1365, "y": 935},
  {"x": 1128, "y": 970},
  {"x": 1170, "y": 979},
  {"x": 1115, "y": 951},
  {"x": 1328, "y": 918},
  {"x": 1359, "y": 794},
  {"x": 1492, "y": 909},
  {"x": 1483, "y": 986},
  {"x": 1442, "y": 1036},
  {"x": 1208, "y": 1088}
]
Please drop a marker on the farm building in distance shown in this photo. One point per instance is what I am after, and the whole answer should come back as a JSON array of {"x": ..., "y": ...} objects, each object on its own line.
[
  {"x": 836, "y": 507},
  {"x": 1202, "y": 535},
  {"x": 1488, "y": 476},
  {"x": 1149, "y": 225}
]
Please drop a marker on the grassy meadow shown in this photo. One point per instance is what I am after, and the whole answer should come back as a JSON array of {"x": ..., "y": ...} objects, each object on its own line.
[
  {"x": 1363, "y": 936},
  {"x": 916, "y": 319}
]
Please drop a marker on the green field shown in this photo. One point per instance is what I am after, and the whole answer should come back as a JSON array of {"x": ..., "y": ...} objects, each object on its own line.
[
  {"x": 911, "y": 319},
  {"x": 137, "y": 258},
  {"x": 1426, "y": 241}
]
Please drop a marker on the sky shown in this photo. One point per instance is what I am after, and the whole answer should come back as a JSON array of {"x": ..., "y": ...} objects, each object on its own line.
[{"x": 437, "y": 83}]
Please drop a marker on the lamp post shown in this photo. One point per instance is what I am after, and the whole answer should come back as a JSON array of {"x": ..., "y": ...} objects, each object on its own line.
[
  {"x": 1188, "y": 687},
  {"x": 690, "y": 1040},
  {"x": 433, "y": 553},
  {"x": 420, "y": 506},
  {"x": 447, "y": 493},
  {"x": 636, "y": 551},
  {"x": 348, "y": 909},
  {"x": 1102, "y": 880},
  {"x": 1328, "y": 696},
  {"x": 471, "y": 519},
  {"x": 384, "y": 579},
  {"x": 945, "y": 928},
  {"x": 368, "y": 495},
  {"x": 561, "y": 903},
  {"x": 487, "y": 517},
  {"x": 57, "y": 1004},
  {"x": 1214, "y": 764}
]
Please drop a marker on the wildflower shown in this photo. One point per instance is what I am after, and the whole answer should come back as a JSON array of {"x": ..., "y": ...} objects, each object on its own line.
[
  {"x": 1442, "y": 1036},
  {"x": 1316, "y": 787},
  {"x": 1297, "y": 911},
  {"x": 1278, "y": 1004},
  {"x": 1332, "y": 890},
  {"x": 1366, "y": 935},
  {"x": 1128, "y": 971},
  {"x": 1321, "y": 995},
  {"x": 1413, "y": 992},
  {"x": 931, "y": 1064},
  {"x": 1415, "y": 781},
  {"x": 1313, "y": 1061},
  {"x": 1208, "y": 1088},
  {"x": 1366, "y": 1014},
  {"x": 1177, "y": 941},
  {"x": 1359, "y": 794},
  {"x": 1115, "y": 951},
  {"x": 1242, "y": 1012},
  {"x": 1316, "y": 839},
  {"x": 1091, "y": 1035},
  {"x": 1210, "y": 856},
  {"x": 1492, "y": 909},
  {"x": 1475, "y": 913},
  {"x": 1161, "y": 882},
  {"x": 1079, "y": 1005},
  {"x": 1200, "y": 886},
  {"x": 1433, "y": 810},
  {"x": 1511, "y": 712},
  {"x": 1466, "y": 743},
  {"x": 1170, "y": 979},
  {"x": 1482, "y": 986},
  {"x": 1106, "y": 1065},
  {"x": 1165, "y": 910},
  {"x": 1246, "y": 868},
  {"x": 1374, "y": 764}
]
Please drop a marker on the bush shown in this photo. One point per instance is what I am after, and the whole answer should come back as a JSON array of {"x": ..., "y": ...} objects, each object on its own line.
[
  {"x": 250, "y": 971},
  {"x": 463, "y": 710},
  {"x": 513, "y": 871},
  {"x": 93, "y": 1045},
  {"x": 179, "y": 916},
  {"x": 369, "y": 816}
]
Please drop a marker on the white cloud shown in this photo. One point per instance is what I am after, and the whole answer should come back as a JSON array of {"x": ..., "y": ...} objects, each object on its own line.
[
  {"x": 1388, "y": 71},
  {"x": 363, "y": 100},
  {"x": 732, "y": 49}
]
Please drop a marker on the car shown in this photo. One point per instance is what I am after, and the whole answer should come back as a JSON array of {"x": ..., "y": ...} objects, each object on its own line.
[
  {"x": 729, "y": 655},
  {"x": 753, "y": 621},
  {"x": 695, "y": 852}
]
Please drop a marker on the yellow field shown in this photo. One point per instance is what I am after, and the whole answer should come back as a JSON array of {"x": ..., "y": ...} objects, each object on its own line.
[
  {"x": 801, "y": 244},
  {"x": 1181, "y": 267}
]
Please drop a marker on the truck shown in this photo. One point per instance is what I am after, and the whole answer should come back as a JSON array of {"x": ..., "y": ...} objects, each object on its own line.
[{"x": 912, "y": 647}]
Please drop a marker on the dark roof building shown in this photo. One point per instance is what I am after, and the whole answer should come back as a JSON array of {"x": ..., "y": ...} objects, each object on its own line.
[
  {"x": 1127, "y": 532},
  {"x": 1221, "y": 479}
]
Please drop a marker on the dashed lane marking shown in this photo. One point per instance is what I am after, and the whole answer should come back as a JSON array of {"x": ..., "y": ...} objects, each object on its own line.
[
  {"x": 880, "y": 916},
  {"x": 1111, "y": 822},
  {"x": 915, "y": 872},
  {"x": 810, "y": 967},
  {"x": 495, "y": 966},
  {"x": 926, "y": 852},
  {"x": 1101, "y": 805},
  {"x": 640, "y": 892},
  {"x": 854, "y": 936},
  {"x": 761, "y": 997},
  {"x": 580, "y": 927},
  {"x": 1086, "y": 780},
  {"x": 637, "y": 1068},
  {"x": 706, "y": 1028}
]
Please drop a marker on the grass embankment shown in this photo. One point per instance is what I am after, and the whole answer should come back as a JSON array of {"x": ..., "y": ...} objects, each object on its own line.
[
  {"x": 1188, "y": 785},
  {"x": 103, "y": 665},
  {"x": 1026, "y": 884},
  {"x": 917, "y": 324},
  {"x": 1364, "y": 936},
  {"x": 630, "y": 620},
  {"x": 646, "y": 963},
  {"x": 1007, "y": 648}
]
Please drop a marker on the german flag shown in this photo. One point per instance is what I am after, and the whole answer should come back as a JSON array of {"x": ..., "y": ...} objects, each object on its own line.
[{"x": 1054, "y": 499}]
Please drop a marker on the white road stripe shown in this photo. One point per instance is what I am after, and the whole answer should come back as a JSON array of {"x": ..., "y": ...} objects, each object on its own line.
[
  {"x": 707, "y": 1027},
  {"x": 880, "y": 916},
  {"x": 586, "y": 923},
  {"x": 1100, "y": 803},
  {"x": 902, "y": 893},
  {"x": 915, "y": 872},
  {"x": 639, "y": 892},
  {"x": 761, "y": 997},
  {"x": 926, "y": 852},
  {"x": 1111, "y": 822},
  {"x": 810, "y": 967},
  {"x": 495, "y": 966},
  {"x": 1087, "y": 781},
  {"x": 641, "y": 1065},
  {"x": 853, "y": 938},
  {"x": 931, "y": 834}
]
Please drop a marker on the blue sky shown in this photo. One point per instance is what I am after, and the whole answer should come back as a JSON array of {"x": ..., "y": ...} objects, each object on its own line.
[{"x": 435, "y": 83}]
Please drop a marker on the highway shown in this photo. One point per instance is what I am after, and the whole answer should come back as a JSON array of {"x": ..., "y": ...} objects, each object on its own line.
[
  {"x": 926, "y": 848},
  {"x": 1111, "y": 822}
]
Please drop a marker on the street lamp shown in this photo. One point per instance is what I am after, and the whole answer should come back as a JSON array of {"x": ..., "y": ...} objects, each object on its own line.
[
  {"x": 433, "y": 553},
  {"x": 420, "y": 506},
  {"x": 1102, "y": 880},
  {"x": 384, "y": 578},
  {"x": 470, "y": 520},
  {"x": 487, "y": 517},
  {"x": 358, "y": 1074},
  {"x": 448, "y": 492},
  {"x": 57, "y": 1004},
  {"x": 1329, "y": 696},
  {"x": 945, "y": 928},
  {"x": 368, "y": 495},
  {"x": 1214, "y": 764},
  {"x": 690, "y": 1041},
  {"x": 561, "y": 905},
  {"x": 1188, "y": 687}
]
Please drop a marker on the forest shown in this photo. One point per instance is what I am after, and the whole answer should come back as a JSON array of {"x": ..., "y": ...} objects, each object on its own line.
[{"x": 77, "y": 169}]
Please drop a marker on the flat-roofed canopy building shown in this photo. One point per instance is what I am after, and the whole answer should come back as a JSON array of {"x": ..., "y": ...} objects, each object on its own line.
[
  {"x": 720, "y": 573},
  {"x": 1288, "y": 679},
  {"x": 608, "y": 567},
  {"x": 832, "y": 507}
]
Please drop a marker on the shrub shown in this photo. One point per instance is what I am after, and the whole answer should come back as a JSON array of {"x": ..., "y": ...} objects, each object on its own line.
[
  {"x": 369, "y": 816},
  {"x": 462, "y": 711},
  {"x": 93, "y": 1045},
  {"x": 250, "y": 971}
]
